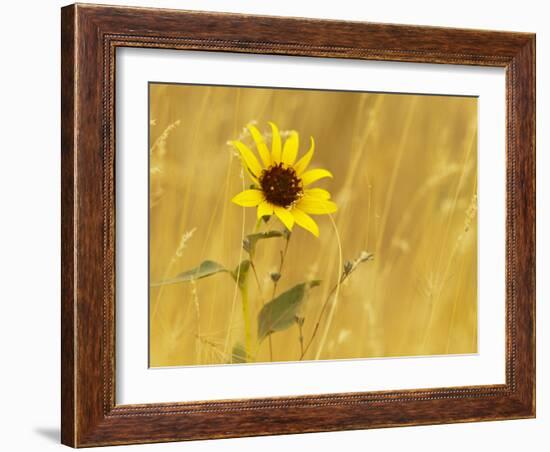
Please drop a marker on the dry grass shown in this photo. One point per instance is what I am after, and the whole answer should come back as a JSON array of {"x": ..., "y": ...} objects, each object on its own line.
[{"x": 405, "y": 182}]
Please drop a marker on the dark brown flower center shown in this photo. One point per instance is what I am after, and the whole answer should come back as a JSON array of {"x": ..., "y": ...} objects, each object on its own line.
[{"x": 281, "y": 185}]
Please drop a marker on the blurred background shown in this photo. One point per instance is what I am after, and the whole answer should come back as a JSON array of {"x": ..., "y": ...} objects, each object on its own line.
[{"x": 405, "y": 181}]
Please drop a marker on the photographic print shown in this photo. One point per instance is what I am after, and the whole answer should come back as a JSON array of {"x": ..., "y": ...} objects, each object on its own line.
[{"x": 302, "y": 225}]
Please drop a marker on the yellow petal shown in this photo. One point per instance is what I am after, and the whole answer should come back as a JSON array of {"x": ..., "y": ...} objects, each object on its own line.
[
  {"x": 249, "y": 198},
  {"x": 290, "y": 150},
  {"x": 275, "y": 143},
  {"x": 304, "y": 220},
  {"x": 317, "y": 193},
  {"x": 260, "y": 145},
  {"x": 265, "y": 209},
  {"x": 248, "y": 158},
  {"x": 314, "y": 175},
  {"x": 285, "y": 216},
  {"x": 302, "y": 164},
  {"x": 316, "y": 206}
]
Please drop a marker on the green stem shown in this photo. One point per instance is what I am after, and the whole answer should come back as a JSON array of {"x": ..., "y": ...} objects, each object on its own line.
[
  {"x": 246, "y": 306},
  {"x": 301, "y": 337},
  {"x": 281, "y": 265},
  {"x": 246, "y": 318},
  {"x": 275, "y": 284},
  {"x": 252, "y": 255},
  {"x": 343, "y": 277}
]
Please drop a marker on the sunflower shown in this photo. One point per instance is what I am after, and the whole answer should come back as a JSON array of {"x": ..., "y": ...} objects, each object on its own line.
[{"x": 281, "y": 185}]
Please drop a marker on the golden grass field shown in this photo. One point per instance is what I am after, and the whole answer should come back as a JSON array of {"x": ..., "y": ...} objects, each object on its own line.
[{"x": 405, "y": 182}]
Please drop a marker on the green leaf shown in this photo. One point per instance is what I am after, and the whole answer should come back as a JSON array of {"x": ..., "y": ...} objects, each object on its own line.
[
  {"x": 238, "y": 354},
  {"x": 241, "y": 272},
  {"x": 281, "y": 312},
  {"x": 249, "y": 243},
  {"x": 206, "y": 268}
]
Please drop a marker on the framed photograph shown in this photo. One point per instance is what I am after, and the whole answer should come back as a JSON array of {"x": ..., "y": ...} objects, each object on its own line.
[{"x": 280, "y": 225}]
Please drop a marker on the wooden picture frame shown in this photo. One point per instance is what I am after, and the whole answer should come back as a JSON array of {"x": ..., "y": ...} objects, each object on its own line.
[{"x": 90, "y": 36}]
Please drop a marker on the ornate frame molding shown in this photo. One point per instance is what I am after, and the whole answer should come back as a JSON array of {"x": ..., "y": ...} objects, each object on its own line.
[{"x": 90, "y": 36}]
